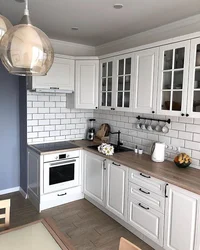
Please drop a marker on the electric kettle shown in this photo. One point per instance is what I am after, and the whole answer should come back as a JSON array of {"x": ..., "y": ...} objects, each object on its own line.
[{"x": 158, "y": 152}]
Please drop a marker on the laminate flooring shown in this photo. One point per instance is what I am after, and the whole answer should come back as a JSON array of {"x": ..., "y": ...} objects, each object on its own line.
[{"x": 87, "y": 227}]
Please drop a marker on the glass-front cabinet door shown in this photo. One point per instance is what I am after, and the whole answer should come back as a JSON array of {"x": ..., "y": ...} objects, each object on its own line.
[
  {"x": 106, "y": 84},
  {"x": 173, "y": 79},
  {"x": 193, "y": 107},
  {"x": 124, "y": 86}
]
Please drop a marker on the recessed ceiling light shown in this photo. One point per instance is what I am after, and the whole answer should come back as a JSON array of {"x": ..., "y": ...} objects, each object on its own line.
[
  {"x": 118, "y": 6},
  {"x": 74, "y": 28}
]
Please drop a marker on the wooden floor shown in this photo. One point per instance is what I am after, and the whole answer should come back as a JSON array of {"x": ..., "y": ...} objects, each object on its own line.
[{"x": 87, "y": 227}]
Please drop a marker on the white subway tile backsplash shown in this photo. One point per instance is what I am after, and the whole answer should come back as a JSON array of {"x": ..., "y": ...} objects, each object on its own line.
[
  {"x": 177, "y": 142},
  {"x": 178, "y": 126},
  {"x": 185, "y": 135},
  {"x": 192, "y": 145},
  {"x": 196, "y": 137},
  {"x": 196, "y": 154},
  {"x": 192, "y": 128},
  {"x": 50, "y": 120}
]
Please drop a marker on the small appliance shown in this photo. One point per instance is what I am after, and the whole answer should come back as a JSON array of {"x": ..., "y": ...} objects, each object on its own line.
[
  {"x": 158, "y": 152},
  {"x": 91, "y": 130}
]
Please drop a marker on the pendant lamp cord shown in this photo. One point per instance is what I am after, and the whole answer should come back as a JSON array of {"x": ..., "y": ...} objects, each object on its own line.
[{"x": 26, "y": 11}]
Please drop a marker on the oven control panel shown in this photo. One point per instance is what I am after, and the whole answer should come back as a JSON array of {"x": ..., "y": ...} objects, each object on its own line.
[{"x": 61, "y": 156}]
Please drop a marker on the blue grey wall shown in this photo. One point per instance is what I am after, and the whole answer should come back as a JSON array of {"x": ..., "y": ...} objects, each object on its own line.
[{"x": 9, "y": 130}]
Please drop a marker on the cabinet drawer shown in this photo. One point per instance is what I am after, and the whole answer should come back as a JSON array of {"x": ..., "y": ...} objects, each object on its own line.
[
  {"x": 144, "y": 195},
  {"x": 146, "y": 220},
  {"x": 146, "y": 181}
]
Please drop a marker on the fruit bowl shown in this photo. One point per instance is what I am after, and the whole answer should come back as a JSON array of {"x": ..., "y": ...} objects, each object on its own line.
[{"x": 182, "y": 160}]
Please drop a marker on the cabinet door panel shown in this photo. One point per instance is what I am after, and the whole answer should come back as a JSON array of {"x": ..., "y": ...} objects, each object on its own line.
[
  {"x": 146, "y": 220},
  {"x": 116, "y": 189},
  {"x": 61, "y": 75},
  {"x": 181, "y": 219},
  {"x": 86, "y": 84},
  {"x": 94, "y": 177},
  {"x": 193, "y": 107},
  {"x": 173, "y": 78},
  {"x": 145, "y": 80}
]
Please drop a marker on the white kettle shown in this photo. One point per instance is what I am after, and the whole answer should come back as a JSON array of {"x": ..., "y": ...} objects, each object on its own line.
[{"x": 158, "y": 152}]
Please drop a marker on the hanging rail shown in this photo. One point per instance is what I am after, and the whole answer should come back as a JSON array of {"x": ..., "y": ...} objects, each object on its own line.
[{"x": 152, "y": 119}]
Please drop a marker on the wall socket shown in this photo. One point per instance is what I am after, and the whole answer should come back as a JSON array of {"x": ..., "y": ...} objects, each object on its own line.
[{"x": 173, "y": 148}]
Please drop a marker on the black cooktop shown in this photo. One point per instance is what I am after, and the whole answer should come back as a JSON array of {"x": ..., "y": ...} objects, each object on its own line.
[{"x": 54, "y": 146}]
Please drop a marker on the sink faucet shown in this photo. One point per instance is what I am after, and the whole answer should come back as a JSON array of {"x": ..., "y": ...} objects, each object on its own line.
[{"x": 119, "y": 143}]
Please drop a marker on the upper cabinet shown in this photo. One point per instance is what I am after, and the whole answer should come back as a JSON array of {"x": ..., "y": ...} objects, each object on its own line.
[
  {"x": 116, "y": 88},
  {"x": 106, "y": 84},
  {"x": 173, "y": 79},
  {"x": 86, "y": 87},
  {"x": 145, "y": 72},
  {"x": 124, "y": 83},
  {"x": 60, "y": 76},
  {"x": 193, "y": 108}
]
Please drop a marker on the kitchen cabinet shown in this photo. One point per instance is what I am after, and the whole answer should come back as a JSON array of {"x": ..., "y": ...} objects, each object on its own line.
[
  {"x": 124, "y": 82},
  {"x": 145, "y": 72},
  {"x": 193, "y": 107},
  {"x": 182, "y": 220},
  {"x": 173, "y": 79},
  {"x": 106, "y": 88},
  {"x": 86, "y": 86},
  {"x": 116, "y": 192},
  {"x": 60, "y": 76},
  {"x": 94, "y": 177}
]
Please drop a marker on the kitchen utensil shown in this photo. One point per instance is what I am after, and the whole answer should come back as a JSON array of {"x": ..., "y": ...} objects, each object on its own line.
[
  {"x": 143, "y": 127},
  {"x": 158, "y": 128},
  {"x": 165, "y": 129},
  {"x": 149, "y": 127},
  {"x": 158, "y": 152},
  {"x": 91, "y": 131},
  {"x": 138, "y": 125}
]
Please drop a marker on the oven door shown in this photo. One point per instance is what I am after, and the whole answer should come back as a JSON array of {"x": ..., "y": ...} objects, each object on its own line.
[{"x": 59, "y": 175}]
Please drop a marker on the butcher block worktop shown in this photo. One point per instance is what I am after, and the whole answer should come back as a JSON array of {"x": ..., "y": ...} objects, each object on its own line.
[{"x": 187, "y": 178}]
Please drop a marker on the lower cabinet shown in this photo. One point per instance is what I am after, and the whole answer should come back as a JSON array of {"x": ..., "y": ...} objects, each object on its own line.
[
  {"x": 182, "y": 220},
  {"x": 94, "y": 177},
  {"x": 116, "y": 189},
  {"x": 146, "y": 220}
]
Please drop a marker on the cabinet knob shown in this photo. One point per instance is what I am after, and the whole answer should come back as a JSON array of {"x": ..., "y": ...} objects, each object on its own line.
[
  {"x": 187, "y": 115},
  {"x": 182, "y": 114},
  {"x": 112, "y": 108},
  {"x": 153, "y": 112},
  {"x": 96, "y": 107}
]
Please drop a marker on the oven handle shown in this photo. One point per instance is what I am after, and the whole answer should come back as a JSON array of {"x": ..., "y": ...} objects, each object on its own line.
[{"x": 61, "y": 163}]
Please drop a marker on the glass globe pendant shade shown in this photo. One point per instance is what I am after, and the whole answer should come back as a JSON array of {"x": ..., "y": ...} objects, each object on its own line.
[
  {"x": 5, "y": 25},
  {"x": 26, "y": 51}
]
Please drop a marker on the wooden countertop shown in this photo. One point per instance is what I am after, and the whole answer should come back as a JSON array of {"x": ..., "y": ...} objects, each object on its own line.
[{"x": 187, "y": 178}]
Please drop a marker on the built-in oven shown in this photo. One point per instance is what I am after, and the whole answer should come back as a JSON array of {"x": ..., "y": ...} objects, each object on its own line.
[{"x": 61, "y": 171}]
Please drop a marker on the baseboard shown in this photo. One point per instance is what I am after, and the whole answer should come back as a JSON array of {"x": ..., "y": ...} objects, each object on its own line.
[
  {"x": 25, "y": 195},
  {"x": 9, "y": 190}
]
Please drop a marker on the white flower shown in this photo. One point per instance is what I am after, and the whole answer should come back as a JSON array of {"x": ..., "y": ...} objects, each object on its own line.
[{"x": 106, "y": 149}]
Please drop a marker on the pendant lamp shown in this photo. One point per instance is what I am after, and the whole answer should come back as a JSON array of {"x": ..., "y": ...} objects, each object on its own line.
[
  {"x": 26, "y": 50},
  {"x": 5, "y": 24}
]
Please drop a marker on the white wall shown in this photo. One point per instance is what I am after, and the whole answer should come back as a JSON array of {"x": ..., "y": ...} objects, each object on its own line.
[{"x": 184, "y": 132}]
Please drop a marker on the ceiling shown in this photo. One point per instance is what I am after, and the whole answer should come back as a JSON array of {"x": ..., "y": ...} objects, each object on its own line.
[{"x": 97, "y": 20}]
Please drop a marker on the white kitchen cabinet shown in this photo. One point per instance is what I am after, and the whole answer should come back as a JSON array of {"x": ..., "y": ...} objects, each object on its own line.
[
  {"x": 173, "y": 79},
  {"x": 193, "y": 106},
  {"x": 86, "y": 86},
  {"x": 182, "y": 220},
  {"x": 116, "y": 189},
  {"x": 145, "y": 72},
  {"x": 146, "y": 220},
  {"x": 124, "y": 82},
  {"x": 60, "y": 76},
  {"x": 106, "y": 88},
  {"x": 94, "y": 177}
]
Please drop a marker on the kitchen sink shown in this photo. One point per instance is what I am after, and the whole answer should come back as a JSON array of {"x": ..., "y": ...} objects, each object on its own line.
[{"x": 116, "y": 149}]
